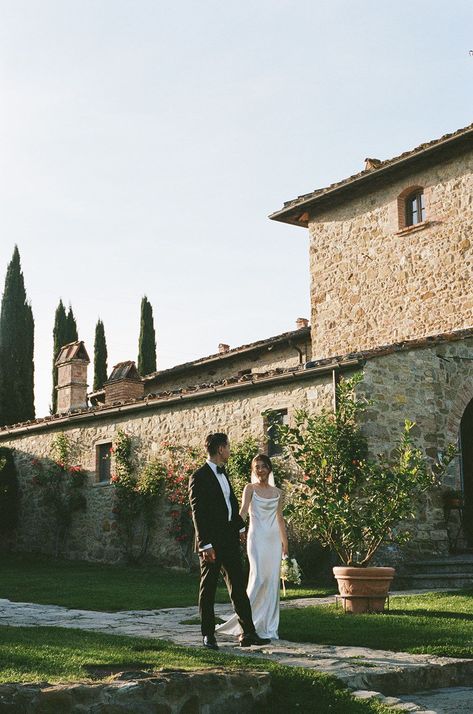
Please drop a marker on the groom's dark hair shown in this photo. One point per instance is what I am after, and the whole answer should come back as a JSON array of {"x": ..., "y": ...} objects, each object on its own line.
[{"x": 214, "y": 441}]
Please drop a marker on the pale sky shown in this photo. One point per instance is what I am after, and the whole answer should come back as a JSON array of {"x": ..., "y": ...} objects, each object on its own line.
[{"x": 144, "y": 143}]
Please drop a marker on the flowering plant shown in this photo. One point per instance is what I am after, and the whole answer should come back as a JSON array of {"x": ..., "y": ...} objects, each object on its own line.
[
  {"x": 137, "y": 493},
  {"x": 354, "y": 504},
  {"x": 181, "y": 463}
]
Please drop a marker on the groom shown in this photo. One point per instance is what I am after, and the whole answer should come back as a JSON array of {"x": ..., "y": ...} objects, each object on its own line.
[{"x": 219, "y": 529}]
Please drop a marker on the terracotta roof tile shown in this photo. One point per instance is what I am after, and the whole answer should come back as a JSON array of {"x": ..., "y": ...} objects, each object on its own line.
[{"x": 348, "y": 359}]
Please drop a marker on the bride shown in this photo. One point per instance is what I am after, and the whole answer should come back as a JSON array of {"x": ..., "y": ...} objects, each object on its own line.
[{"x": 267, "y": 542}]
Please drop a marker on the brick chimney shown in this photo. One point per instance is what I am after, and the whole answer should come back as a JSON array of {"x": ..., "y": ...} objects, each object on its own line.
[
  {"x": 71, "y": 363},
  {"x": 371, "y": 164},
  {"x": 222, "y": 348},
  {"x": 123, "y": 384},
  {"x": 301, "y": 322}
]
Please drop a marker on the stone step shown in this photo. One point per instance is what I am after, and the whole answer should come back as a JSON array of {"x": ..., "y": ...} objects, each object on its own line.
[
  {"x": 434, "y": 580},
  {"x": 447, "y": 566}
]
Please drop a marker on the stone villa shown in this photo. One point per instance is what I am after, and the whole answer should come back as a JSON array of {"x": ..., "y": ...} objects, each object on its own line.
[{"x": 391, "y": 260}]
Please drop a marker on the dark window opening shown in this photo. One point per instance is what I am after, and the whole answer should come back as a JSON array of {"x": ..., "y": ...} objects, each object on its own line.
[
  {"x": 415, "y": 208},
  {"x": 103, "y": 461},
  {"x": 273, "y": 420}
]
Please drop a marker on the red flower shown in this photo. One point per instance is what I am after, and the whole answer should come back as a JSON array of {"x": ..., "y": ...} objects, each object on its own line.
[{"x": 114, "y": 478}]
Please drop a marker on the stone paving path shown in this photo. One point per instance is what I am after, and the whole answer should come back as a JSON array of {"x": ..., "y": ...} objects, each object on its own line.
[{"x": 368, "y": 671}]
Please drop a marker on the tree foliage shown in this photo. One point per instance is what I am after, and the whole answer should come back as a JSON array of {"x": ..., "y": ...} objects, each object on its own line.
[
  {"x": 147, "y": 341},
  {"x": 352, "y": 503},
  {"x": 100, "y": 356},
  {"x": 71, "y": 327},
  {"x": 16, "y": 348},
  {"x": 9, "y": 492},
  {"x": 64, "y": 331}
]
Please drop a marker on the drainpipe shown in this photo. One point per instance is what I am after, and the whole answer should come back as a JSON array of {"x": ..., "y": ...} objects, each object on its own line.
[{"x": 335, "y": 381}]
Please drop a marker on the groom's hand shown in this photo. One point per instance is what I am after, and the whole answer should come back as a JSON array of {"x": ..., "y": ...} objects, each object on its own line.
[
  {"x": 208, "y": 556},
  {"x": 243, "y": 537}
]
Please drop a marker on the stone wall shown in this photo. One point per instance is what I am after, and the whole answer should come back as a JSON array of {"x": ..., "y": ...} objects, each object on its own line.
[
  {"x": 275, "y": 356},
  {"x": 210, "y": 691},
  {"x": 431, "y": 386},
  {"x": 94, "y": 533},
  {"x": 373, "y": 284}
]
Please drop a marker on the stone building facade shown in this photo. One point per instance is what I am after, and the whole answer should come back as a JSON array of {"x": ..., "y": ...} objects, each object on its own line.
[
  {"x": 392, "y": 295},
  {"x": 236, "y": 407},
  {"x": 391, "y": 264}
]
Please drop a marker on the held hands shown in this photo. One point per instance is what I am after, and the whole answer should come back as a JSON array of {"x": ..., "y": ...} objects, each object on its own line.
[
  {"x": 285, "y": 550},
  {"x": 243, "y": 537},
  {"x": 208, "y": 556}
]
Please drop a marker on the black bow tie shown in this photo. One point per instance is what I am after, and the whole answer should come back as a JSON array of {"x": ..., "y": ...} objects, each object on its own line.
[{"x": 220, "y": 470}]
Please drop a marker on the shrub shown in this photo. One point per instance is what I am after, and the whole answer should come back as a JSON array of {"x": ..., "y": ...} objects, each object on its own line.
[
  {"x": 62, "y": 483},
  {"x": 354, "y": 504},
  {"x": 9, "y": 492}
]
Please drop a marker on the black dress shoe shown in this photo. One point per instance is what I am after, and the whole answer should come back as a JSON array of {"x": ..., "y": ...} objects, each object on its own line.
[
  {"x": 253, "y": 639},
  {"x": 210, "y": 642}
]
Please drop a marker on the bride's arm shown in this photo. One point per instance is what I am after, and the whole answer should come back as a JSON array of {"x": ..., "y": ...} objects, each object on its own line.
[
  {"x": 282, "y": 527},
  {"x": 245, "y": 500}
]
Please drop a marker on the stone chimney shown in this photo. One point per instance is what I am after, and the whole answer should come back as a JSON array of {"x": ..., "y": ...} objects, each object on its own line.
[
  {"x": 123, "y": 384},
  {"x": 301, "y": 322},
  {"x": 71, "y": 363},
  {"x": 222, "y": 348},
  {"x": 371, "y": 164}
]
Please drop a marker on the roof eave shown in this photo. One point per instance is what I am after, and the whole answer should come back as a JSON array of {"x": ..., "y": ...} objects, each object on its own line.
[
  {"x": 297, "y": 213},
  {"x": 302, "y": 332}
]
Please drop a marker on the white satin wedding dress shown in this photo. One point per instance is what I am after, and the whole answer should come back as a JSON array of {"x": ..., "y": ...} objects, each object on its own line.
[{"x": 264, "y": 555}]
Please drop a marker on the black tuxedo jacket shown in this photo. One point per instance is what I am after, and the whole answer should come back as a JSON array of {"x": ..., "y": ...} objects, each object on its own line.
[{"x": 209, "y": 509}]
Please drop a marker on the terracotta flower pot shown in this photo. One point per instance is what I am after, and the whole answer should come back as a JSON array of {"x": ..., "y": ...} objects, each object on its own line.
[{"x": 363, "y": 589}]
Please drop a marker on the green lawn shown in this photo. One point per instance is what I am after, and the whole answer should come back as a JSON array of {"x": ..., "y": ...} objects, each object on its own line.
[
  {"x": 110, "y": 588},
  {"x": 54, "y": 655},
  {"x": 434, "y": 623}
]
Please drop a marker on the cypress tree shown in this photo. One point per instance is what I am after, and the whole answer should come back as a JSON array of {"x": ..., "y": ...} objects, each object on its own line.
[
  {"x": 16, "y": 348},
  {"x": 59, "y": 340},
  {"x": 100, "y": 356},
  {"x": 71, "y": 327},
  {"x": 147, "y": 342}
]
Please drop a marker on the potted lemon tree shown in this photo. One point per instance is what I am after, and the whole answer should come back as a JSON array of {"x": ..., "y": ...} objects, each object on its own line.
[{"x": 355, "y": 503}]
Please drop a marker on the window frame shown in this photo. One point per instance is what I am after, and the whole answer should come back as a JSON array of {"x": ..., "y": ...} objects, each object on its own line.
[
  {"x": 405, "y": 214},
  {"x": 100, "y": 459},
  {"x": 273, "y": 449},
  {"x": 417, "y": 199}
]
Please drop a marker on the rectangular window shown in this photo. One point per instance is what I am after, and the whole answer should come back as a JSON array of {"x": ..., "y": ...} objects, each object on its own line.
[
  {"x": 273, "y": 419},
  {"x": 103, "y": 459}
]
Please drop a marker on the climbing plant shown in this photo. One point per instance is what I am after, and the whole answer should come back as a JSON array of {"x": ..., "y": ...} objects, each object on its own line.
[
  {"x": 137, "y": 494},
  {"x": 62, "y": 483}
]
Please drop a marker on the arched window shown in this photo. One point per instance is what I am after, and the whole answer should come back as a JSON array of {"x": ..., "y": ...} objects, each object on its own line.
[
  {"x": 411, "y": 207},
  {"x": 415, "y": 208}
]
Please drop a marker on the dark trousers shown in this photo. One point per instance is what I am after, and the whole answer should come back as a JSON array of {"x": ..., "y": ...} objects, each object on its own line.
[{"x": 229, "y": 561}]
